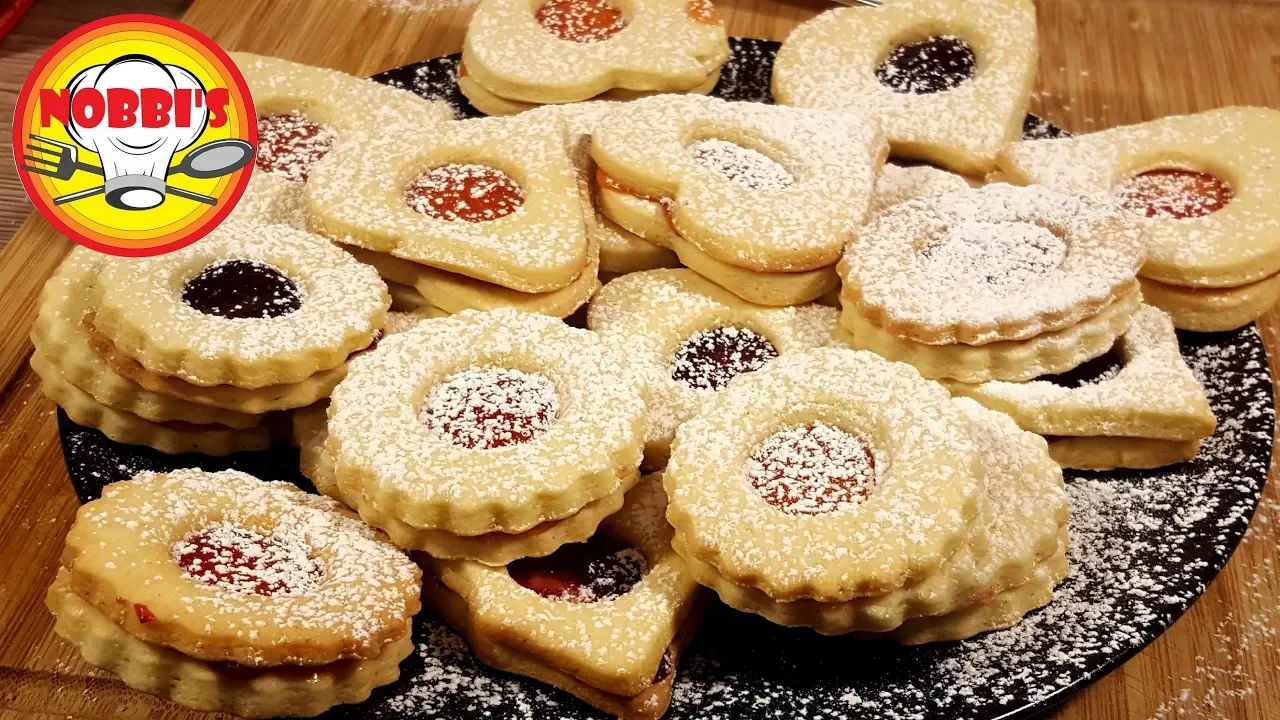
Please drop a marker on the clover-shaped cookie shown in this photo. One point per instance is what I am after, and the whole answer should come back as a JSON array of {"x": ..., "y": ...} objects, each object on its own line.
[
  {"x": 948, "y": 79},
  {"x": 561, "y": 51}
]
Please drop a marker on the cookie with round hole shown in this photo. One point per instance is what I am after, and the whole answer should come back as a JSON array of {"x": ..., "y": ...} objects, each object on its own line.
[{"x": 949, "y": 80}]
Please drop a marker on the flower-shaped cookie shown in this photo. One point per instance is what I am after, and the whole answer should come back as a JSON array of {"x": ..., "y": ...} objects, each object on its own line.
[
  {"x": 562, "y": 51},
  {"x": 493, "y": 199},
  {"x": 605, "y": 619},
  {"x": 250, "y": 305},
  {"x": 827, "y": 475},
  {"x": 689, "y": 338},
  {"x": 1022, "y": 515},
  {"x": 948, "y": 79},
  {"x": 486, "y": 422},
  {"x": 997, "y": 263}
]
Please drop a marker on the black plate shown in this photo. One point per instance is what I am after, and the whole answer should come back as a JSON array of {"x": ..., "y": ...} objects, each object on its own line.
[{"x": 1145, "y": 545}]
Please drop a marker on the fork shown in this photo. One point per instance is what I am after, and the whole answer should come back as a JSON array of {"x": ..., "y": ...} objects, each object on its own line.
[{"x": 65, "y": 165}]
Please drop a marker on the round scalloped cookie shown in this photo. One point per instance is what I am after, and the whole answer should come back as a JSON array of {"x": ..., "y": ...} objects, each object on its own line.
[
  {"x": 650, "y": 45},
  {"x": 310, "y": 434},
  {"x": 172, "y": 437},
  {"x": 1004, "y": 610},
  {"x": 901, "y": 484},
  {"x": 836, "y": 61},
  {"x": 313, "y": 583},
  {"x": 279, "y": 691},
  {"x": 250, "y": 305},
  {"x": 1217, "y": 245},
  {"x": 1152, "y": 395},
  {"x": 998, "y": 263},
  {"x": 59, "y": 332},
  {"x": 760, "y": 187},
  {"x": 1008, "y": 360},
  {"x": 1019, "y": 524},
  {"x": 303, "y": 111},
  {"x": 229, "y": 397},
  {"x": 487, "y": 422},
  {"x": 1212, "y": 309},
  {"x": 689, "y": 337},
  {"x": 615, "y": 644},
  {"x": 524, "y": 232}
]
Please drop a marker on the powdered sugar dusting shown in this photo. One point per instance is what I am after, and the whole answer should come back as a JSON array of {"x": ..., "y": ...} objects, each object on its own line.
[
  {"x": 1008, "y": 253},
  {"x": 244, "y": 561},
  {"x": 485, "y": 408},
  {"x": 812, "y": 470},
  {"x": 749, "y": 168}
]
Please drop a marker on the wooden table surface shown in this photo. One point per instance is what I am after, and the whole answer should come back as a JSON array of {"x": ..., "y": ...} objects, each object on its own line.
[{"x": 1103, "y": 63}]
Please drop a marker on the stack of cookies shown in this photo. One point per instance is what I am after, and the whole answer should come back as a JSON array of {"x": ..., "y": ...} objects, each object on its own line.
[
  {"x": 197, "y": 350},
  {"x": 477, "y": 215},
  {"x": 515, "y": 58},
  {"x": 759, "y": 199},
  {"x": 836, "y": 490},
  {"x": 1206, "y": 188},
  {"x": 229, "y": 594}
]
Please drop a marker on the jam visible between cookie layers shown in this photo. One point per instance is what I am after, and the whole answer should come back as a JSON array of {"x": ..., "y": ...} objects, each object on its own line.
[
  {"x": 935, "y": 64},
  {"x": 597, "y": 570},
  {"x": 608, "y": 182},
  {"x": 709, "y": 359},
  {"x": 487, "y": 408},
  {"x": 242, "y": 289},
  {"x": 288, "y": 145},
  {"x": 811, "y": 470},
  {"x": 749, "y": 168},
  {"x": 581, "y": 21},
  {"x": 994, "y": 253},
  {"x": 464, "y": 192},
  {"x": 244, "y": 561},
  {"x": 1173, "y": 194}
]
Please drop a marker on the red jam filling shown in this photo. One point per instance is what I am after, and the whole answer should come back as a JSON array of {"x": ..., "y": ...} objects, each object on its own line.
[
  {"x": 487, "y": 408},
  {"x": 244, "y": 561},
  {"x": 702, "y": 11},
  {"x": 1173, "y": 194},
  {"x": 597, "y": 570},
  {"x": 464, "y": 192},
  {"x": 288, "y": 145},
  {"x": 811, "y": 470},
  {"x": 581, "y": 21},
  {"x": 143, "y": 613},
  {"x": 709, "y": 359},
  {"x": 608, "y": 182}
]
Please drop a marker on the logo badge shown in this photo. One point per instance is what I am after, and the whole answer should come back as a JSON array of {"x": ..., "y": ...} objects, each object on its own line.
[{"x": 135, "y": 135}]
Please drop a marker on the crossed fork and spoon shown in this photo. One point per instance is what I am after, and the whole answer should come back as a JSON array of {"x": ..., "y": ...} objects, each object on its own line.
[{"x": 60, "y": 160}]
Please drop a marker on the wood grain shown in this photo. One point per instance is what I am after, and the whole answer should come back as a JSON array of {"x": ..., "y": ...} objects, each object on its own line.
[{"x": 1104, "y": 62}]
